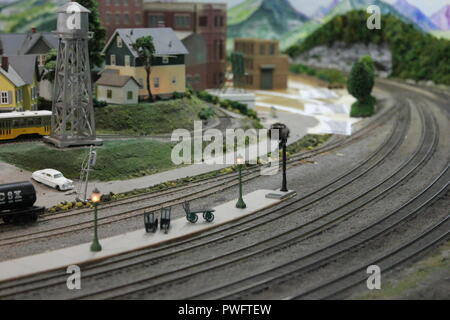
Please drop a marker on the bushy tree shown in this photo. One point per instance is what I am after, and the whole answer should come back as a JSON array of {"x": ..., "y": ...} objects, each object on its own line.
[
  {"x": 146, "y": 50},
  {"x": 360, "y": 81},
  {"x": 97, "y": 43},
  {"x": 360, "y": 84}
]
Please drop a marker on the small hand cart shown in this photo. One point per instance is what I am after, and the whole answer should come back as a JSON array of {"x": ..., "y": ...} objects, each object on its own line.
[
  {"x": 165, "y": 219},
  {"x": 192, "y": 217},
  {"x": 151, "y": 224}
]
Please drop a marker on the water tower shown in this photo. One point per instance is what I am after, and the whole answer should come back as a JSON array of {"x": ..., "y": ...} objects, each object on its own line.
[{"x": 73, "y": 122}]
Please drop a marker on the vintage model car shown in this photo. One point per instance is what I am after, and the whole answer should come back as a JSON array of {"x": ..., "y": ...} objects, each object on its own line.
[{"x": 53, "y": 179}]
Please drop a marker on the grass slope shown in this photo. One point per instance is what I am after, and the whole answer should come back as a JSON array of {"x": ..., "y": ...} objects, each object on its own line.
[
  {"x": 116, "y": 160},
  {"x": 149, "y": 119},
  {"x": 416, "y": 55}
]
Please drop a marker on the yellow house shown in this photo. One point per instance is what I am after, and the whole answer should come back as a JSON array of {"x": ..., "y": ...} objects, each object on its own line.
[
  {"x": 18, "y": 83},
  {"x": 168, "y": 71}
]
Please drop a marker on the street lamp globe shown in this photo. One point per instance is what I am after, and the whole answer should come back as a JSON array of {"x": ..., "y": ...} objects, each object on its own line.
[
  {"x": 95, "y": 196},
  {"x": 240, "y": 160}
]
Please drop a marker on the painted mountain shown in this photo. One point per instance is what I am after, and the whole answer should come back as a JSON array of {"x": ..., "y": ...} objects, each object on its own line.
[
  {"x": 324, "y": 10},
  {"x": 415, "y": 15},
  {"x": 341, "y": 7},
  {"x": 442, "y": 18},
  {"x": 266, "y": 19}
]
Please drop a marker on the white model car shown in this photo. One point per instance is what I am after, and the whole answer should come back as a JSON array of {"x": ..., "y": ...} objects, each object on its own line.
[{"x": 53, "y": 179}]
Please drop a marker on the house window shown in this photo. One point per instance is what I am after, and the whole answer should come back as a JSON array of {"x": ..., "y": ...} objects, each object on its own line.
[
  {"x": 19, "y": 95},
  {"x": 117, "y": 18},
  {"x": 108, "y": 2},
  {"x": 136, "y": 3},
  {"x": 126, "y": 19},
  {"x": 130, "y": 95},
  {"x": 118, "y": 2},
  {"x": 119, "y": 42},
  {"x": 155, "y": 20},
  {"x": 127, "y": 61},
  {"x": 109, "y": 94},
  {"x": 272, "y": 49},
  {"x": 165, "y": 60},
  {"x": 4, "y": 97},
  {"x": 156, "y": 82},
  {"x": 137, "y": 19},
  {"x": 203, "y": 21},
  {"x": 262, "y": 49},
  {"x": 113, "y": 59},
  {"x": 182, "y": 21},
  {"x": 141, "y": 82},
  {"x": 108, "y": 18}
]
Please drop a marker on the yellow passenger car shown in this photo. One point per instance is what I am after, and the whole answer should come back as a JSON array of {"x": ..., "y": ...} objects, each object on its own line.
[{"x": 15, "y": 124}]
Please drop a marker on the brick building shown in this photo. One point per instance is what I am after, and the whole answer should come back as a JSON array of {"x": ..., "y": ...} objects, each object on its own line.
[
  {"x": 263, "y": 64},
  {"x": 205, "y": 19}
]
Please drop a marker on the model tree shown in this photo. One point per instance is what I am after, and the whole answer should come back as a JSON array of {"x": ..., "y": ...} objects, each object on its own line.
[
  {"x": 360, "y": 84},
  {"x": 146, "y": 50},
  {"x": 97, "y": 42}
]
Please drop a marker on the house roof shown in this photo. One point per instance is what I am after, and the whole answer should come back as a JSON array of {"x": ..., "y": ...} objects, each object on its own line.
[
  {"x": 13, "y": 76},
  {"x": 22, "y": 43},
  {"x": 25, "y": 66},
  {"x": 165, "y": 40},
  {"x": 112, "y": 79},
  {"x": 21, "y": 70}
]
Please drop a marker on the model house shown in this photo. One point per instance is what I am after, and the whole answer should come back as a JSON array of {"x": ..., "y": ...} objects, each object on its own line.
[
  {"x": 168, "y": 70},
  {"x": 33, "y": 43},
  {"x": 116, "y": 89},
  {"x": 207, "y": 20},
  {"x": 18, "y": 83},
  {"x": 263, "y": 66}
]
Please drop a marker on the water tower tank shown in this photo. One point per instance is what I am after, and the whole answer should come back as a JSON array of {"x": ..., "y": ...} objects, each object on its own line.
[{"x": 73, "y": 18}]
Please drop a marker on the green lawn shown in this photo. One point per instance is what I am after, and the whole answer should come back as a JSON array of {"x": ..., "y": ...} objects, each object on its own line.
[
  {"x": 116, "y": 160},
  {"x": 149, "y": 119}
]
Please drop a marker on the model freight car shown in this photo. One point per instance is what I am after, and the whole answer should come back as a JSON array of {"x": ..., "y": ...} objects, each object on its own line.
[{"x": 17, "y": 202}]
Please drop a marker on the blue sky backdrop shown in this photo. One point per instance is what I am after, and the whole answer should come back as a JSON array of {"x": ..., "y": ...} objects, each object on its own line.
[{"x": 310, "y": 6}]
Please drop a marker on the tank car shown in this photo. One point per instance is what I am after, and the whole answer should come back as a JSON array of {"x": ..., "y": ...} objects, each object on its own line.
[{"x": 17, "y": 202}]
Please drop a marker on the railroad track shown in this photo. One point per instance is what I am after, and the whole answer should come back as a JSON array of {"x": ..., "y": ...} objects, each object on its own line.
[
  {"x": 293, "y": 269},
  {"x": 224, "y": 182},
  {"x": 140, "y": 287},
  {"x": 391, "y": 144}
]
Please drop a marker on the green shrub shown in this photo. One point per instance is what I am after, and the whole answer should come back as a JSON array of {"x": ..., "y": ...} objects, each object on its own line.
[
  {"x": 363, "y": 108},
  {"x": 99, "y": 104},
  {"x": 178, "y": 95},
  {"x": 206, "y": 113},
  {"x": 360, "y": 81}
]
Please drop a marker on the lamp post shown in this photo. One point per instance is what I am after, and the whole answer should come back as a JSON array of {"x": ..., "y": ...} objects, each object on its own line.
[
  {"x": 283, "y": 136},
  {"x": 95, "y": 198},
  {"x": 240, "y": 204}
]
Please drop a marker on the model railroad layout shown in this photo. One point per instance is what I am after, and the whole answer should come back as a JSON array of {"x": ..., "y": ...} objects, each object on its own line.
[{"x": 285, "y": 251}]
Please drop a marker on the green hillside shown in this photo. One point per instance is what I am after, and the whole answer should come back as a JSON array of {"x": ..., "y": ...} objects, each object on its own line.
[
  {"x": 22, "y": 15},
  {"x": 242, "y": 11},
  {"x": 416, "y": 55},
  {"x": 271, "y": 19}
]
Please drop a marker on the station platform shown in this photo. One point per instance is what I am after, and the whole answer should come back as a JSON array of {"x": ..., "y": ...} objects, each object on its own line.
[{"x": 132, "y": 241}]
